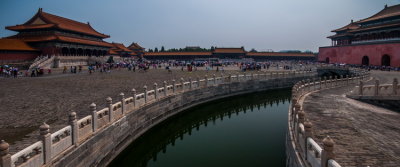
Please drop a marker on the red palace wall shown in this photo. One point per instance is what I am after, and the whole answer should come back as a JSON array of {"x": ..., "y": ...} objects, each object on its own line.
[{"x": 354, "y": 54}]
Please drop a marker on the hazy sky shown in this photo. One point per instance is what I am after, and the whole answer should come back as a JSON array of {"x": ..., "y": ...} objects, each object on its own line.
[{"x": 259, "y": 24}]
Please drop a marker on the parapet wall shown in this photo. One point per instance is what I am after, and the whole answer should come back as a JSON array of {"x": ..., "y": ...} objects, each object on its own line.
[
  {"x": 97, "y": 139},
  {"x": 301, "y": 148}
]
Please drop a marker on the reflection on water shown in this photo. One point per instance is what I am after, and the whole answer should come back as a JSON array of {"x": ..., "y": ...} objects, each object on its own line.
[{"x": 246, "y": 130}]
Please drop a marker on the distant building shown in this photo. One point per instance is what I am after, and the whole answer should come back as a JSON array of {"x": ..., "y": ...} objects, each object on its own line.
[
  {"x": 137, "y": 49},
  {"x": 371, "y": 41},
  {"x": 228, "y": 53},
  {"x": 119, "y": 49},
  {"x": 280, "y": 56}
]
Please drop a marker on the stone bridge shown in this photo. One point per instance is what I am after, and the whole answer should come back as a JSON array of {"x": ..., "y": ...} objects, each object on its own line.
[
  {"x": 333, "y": 71},
  {"x": 95, "y": 140}
]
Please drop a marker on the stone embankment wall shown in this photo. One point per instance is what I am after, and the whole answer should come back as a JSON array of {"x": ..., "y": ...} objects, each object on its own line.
[
  {"x": 384, "y": 95},
  {"x": 377, "y": 91},
  {"x": 301, "y": 148},
  {"x": 97, "y": 139}
]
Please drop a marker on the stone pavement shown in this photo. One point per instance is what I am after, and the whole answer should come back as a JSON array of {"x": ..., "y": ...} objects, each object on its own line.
[{"x": 365, "y": 135}]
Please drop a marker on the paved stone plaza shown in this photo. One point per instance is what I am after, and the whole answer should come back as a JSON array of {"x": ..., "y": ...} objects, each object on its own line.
[
  {"x": 364, "y": 134},
  {"x": 31, "y": 101}
]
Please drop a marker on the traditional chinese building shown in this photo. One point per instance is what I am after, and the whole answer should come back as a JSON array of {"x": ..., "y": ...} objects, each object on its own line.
[
  {"x": 228, "y": 53},
  {"x": 136, "y": 49},
  {"x": 263, "y": 56},
  {"x": 16, "y": 51},
  {"x": 371, "y": 41},
  {"x": 177, "y": 55},
  {"x": 57, "y": 36},
  {"x": 119, "y": 49}
]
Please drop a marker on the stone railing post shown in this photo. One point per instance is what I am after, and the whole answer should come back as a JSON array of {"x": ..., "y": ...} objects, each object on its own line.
[
  {"x": 252, "y": 76},
  {"x": 360, "y": 88},
  {"x": 237, "y": 77},
  {"x": 336, "y": 80},
  {"x": 145, "y": 93},
  {"x": 300, "y": 114},
  {"x": 341, "y": 80},
  {"x": 327, "y": 151},
  {"x": 325, "y": 82},
  {"x": 93, "y": 111},
  {"x": 222, "y": 78},
  {"x": 347, "y": 79},
  {"x": 155, "y": 86},
  {"x": 45, "y": 137},
  {"x": 297, "y": 108},
  {"x": 215, "y": 79},
  {"x": 190, "y": 83},
  {"x": 376, "y": 93},
  {"x": 5, "y": 156},
  {"x": 134, "y": 97},
  {"x": 74, "y": 128},
  {"x": 205, "y": 81},
  {"x": 110, "y": 109},
  {"x": 394, "y": 86},
  {"x": 165, "y": 88},
  {"x": 230, "y": 78},
  {"x": 173, "y": 86},
  {"x": 182, "y": 84},
  {"x": 307, "y": 133},
  {"x": 320, "y": 83},
  {"x": 198, "y": 82},
  {"x": 123, "y": 108}
]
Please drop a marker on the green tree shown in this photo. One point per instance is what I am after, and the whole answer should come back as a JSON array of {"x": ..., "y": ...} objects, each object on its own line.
[
  {"x": 156, "y": 49},
  {"x": 162, "y": 49}
]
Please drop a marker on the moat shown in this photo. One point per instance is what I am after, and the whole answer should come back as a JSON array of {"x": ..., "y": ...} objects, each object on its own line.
[{"x": 236, "y": 131}]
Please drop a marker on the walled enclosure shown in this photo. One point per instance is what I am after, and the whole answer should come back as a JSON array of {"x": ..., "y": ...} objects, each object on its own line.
[{"x": 97, "y": 139}]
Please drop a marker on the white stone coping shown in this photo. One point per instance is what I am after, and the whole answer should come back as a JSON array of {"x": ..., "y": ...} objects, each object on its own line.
[
  {"x": 314, "y": 146},
  {"x": 333, "y": 163},
  {"x": 85, "y": 121},
  {"x": 129, "y": 99},
  {"x": 60, "y": 132},
  {"x": 102, "y": 112},
  {"x": 301, "y": 126},
  {"x": 27, "y": 152},
  {"x": 139, "y": 96}
]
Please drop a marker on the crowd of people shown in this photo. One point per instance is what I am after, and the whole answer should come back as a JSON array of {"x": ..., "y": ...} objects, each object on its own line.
[
  {"x": 144, "y": 66},
  {"x": 8, "y": 71}
]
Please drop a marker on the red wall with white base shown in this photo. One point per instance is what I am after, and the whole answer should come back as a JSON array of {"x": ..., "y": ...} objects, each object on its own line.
[{"x": 353, "y": 54}]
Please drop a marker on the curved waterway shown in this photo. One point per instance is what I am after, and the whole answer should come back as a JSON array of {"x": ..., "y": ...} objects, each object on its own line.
[{"x": 245, "y": 130}]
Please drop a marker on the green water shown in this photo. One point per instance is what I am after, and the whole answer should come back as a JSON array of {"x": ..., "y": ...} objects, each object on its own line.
[{"x": 247, "y": 130}]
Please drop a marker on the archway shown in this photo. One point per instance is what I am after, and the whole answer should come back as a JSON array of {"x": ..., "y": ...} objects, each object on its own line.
[
  {"x": 365, "y": 61},
  {"x": 385, "y": 60},
  {"x": 327, "y": 60},
  {"x": 72, "y": 51},
  {"x": 80, "y": 52},
  {"x": 65, "y": 51}
]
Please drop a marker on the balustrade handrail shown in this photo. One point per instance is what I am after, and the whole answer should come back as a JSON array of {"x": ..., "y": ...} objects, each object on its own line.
[
  {"x": 298, "y": 124},
  {"x": 107, "y": 116}
]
